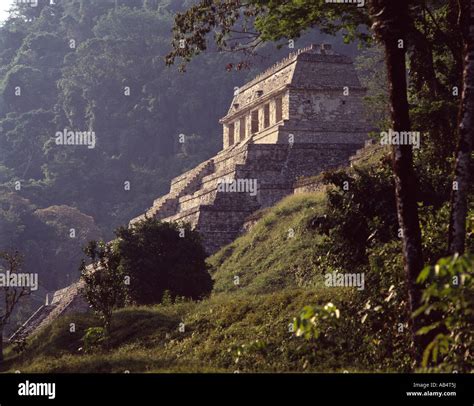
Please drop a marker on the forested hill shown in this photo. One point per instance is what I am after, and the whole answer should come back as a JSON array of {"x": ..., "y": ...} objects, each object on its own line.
[
  {"x": 98, "y": 65},
  {"x": 87, "y": 65}
]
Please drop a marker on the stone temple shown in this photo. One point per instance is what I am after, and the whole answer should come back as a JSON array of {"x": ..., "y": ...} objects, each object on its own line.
[{"x": 298, "y": 118}]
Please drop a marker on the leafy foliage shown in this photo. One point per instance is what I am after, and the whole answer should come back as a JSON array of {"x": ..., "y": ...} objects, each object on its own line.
[
  {"x": 104, "y": 282},
  {"x": 449, "y": 290},
  {"x": 162, "y": 260},
  {"x": 94, "y": 339},
  {"x": 310, "y": 322},
  {"x": 236, "y": 26}
]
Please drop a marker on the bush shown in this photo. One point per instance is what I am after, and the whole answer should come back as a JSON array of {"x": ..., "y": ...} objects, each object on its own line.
[
  {"x": 449, "y": 292},
  {"x": 104, "y": 281},
  {"x": 361, "y": 213},
  {"x": 94, "y": 339},
  {"x": 163, "y": 257}
]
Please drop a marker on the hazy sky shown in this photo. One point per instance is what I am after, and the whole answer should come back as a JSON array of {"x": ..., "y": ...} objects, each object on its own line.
[{"x": 4, "y": 6}]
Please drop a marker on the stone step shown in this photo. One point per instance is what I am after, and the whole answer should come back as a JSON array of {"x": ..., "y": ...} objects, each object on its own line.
[
  {"x": 274, "y": 166},
  {"x": 168, "y": 205},
  {"x": 69, "y": 302},
  {"x": 189, "y": 176},
  {"x": 30, "y": 324}
]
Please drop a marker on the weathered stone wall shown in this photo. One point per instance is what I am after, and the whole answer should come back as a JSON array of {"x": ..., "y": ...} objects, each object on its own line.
[
  {"x": 324, "y": 70},
  {"x": 219, "y": 215},
  {"x": 308, "y": 185},
  {"x": 329, "y": 110},
  {"x": 318, "y": 94}
]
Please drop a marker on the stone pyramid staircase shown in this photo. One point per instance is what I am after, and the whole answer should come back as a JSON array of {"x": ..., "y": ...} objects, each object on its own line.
[
  {"x": 31, "y": 324},
  {"x": 218, "y": 215},
  {"x": 184, "y": 184},
  {"x": 66, "y": 300}
]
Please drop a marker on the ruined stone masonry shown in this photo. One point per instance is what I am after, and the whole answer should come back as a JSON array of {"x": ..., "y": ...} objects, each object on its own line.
[
  {"x": 302, "y": 116},
  {"x": 298, "y": 118}
]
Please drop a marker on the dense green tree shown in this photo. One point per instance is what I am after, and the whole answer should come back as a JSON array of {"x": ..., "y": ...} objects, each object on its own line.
[
  {"x": 163, "y": 257},
  {"x": 389, "y": 22},
  {"x": 104, "y": 282},
  {"x": 24, "y": 137}
]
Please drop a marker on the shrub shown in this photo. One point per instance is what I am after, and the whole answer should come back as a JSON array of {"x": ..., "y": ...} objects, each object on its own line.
[
  {"x": 161, "y": 257},
  {"x": 104, "y": 281},
  {"x": 449, "y": 292},
  {"x": 93, "y": 339}
]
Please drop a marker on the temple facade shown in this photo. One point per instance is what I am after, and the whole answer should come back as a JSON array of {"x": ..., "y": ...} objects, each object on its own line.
[
  {"x": 313, "y": 96},
  {"x": 298, "y": 118}
]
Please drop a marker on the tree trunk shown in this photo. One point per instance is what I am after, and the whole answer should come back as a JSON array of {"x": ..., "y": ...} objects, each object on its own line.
[
  {"x": 389, "y": 21},
  {"x": 463, "y": 167},
  {"x": 107, "y": 328}
]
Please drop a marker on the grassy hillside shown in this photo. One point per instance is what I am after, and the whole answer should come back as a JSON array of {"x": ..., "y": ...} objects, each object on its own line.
[
  {"x": 226, "y": 333},
  {"x": 245, "y": 327},
  {"x": 276, "y": 253},
  {"x": 262, "y": 282}
]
